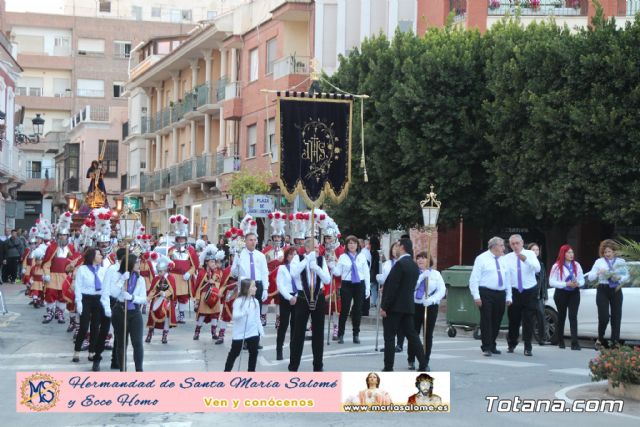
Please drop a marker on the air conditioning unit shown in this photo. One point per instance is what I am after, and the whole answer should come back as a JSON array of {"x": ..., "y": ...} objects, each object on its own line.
[{"x": 82, "y": 52}]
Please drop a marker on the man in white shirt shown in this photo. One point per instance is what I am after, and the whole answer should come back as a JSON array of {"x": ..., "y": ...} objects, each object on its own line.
[
  {"x": 310, "y": 274},
  {"x": 252, "y": 264},
  {"x": 524, "y": 265},
  {"x": 490, "y": 288}
]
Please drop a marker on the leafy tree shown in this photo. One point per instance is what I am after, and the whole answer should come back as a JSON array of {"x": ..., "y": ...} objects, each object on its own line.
[{"x": 244, "y": 183}]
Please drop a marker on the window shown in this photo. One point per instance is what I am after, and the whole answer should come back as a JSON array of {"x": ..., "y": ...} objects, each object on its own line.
[
  {"x": 118, "y": 89},
  {"x": 30, "y": 86},
  {"x": 34, "y": 170},
  {"x": 21, "y": 91},
  {"x": 105, "y": 6},
  {"x": 175, "y": 15},
  {"x": 271, "y": 55},
  {"x": 186, "y": 15},
  {"x": 136, "y": 13},
  {"x": 61, "y": 87},
  {"x": 91, "y": 88},
  {"x": 110, "y": 160},
  {"x": 71, "y": 167},
  {"x": 156, "y": 12},
  {"x": 211, "y": 14},
  {"x": 270, "y": 139},
  {"x": 253, "y": 65},
  {"x": 29, "y": 44},
  {"x": 121, "y": 49},
  {"x": 251, "y": 139},
  {"x": 91, "y": 47},
  {"x": 405, "y": 26},
  {"x": 62, "y": 46}
]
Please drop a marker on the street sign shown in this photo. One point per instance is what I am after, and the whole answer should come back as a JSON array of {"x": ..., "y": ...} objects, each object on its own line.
[
  {"x": 134, "y": 203},
  {"x": 258, "y": 205}
]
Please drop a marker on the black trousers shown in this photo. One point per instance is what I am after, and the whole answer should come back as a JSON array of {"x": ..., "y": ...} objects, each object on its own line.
[
  {"x": 491, "y": 312},
  {"x": 287, "y": 319},
  {"x": 114, "y": 350},
  {"x": 418, "y": 322},
  {"x": 134, "y": 332},
  {"x": 93, "y": 314},
  {"x": 542, "y": 321},
  {"x": 10, "y": 271},
  {"x": 393, "y": 323},
  {"x": 259, "y": 289},
  {"x": 351, "y": 292},
  {"x": 236, "y": 347},
  {"x": 302, "y": 314},
  {"x": 522, "y": 311},
  {"x": 567, "y": 301},
  {"x": 607, "y": 297}
]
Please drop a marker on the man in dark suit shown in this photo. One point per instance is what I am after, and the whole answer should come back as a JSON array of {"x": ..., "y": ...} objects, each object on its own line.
[{"x": 397, "y": 306}]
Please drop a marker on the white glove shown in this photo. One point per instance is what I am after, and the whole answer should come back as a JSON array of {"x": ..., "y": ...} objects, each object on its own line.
[
  {"x": 31, "y": 281},
  {"x": 47, "y": 278},
  {"x": 125, "y": 276},
  {"x": 107, "y": 313},
  {"x": 379, "y": 278},
  {"x": 429, "y": 301},
  {"x": 367, "y": 293},
  {"x": 79, "y": 308},
  {"x": 127, "y": 296},
  {"x": 186, "y": 276},
  {"x": 264, "y": 295}
]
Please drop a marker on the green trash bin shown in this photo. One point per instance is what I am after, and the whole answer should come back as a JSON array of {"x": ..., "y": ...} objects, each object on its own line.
[{"x": 461, "y": 309}]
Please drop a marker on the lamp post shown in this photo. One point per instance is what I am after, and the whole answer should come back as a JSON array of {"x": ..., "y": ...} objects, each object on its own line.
[
  {"x": 127, "y": 232},
  {"x": 430, "y": 212},
  {"x": 38, "y": 125}
]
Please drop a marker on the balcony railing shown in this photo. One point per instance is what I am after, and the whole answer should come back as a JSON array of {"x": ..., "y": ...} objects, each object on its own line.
[
  {"x": 186, "y": 171},
  {"x": 203, "y": 96},
  {"x": 157, "y": 180},
  {"x": 145, "y": 124},
  {"x": 220, "y": 88},
  {"x": 290, "y": 65},
  {"x": 206, "y": 165},
  {"x": 173, "y": 175},
  {"x": 96, "y": 113},
  {"x": 231, "y": 164},
  {"x": 233, "y": 90},
  {"x": 166, "y": 180},
  {"x": 459, "y": 9},
  {"x": 539, "y": 7},
  {"x": 146, "y": 183}
]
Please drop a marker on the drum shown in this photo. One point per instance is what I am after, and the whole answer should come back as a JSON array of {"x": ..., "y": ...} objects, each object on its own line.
[
  {"x": 160, "y": 309},
  {"x": 212, "y": 297}
]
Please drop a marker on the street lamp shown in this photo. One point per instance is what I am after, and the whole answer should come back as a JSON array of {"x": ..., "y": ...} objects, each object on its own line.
[
  {"x": 430, "y": 212},
  {"x": 72, "y": 202},
  {"x": 127, "y": 232},
  {"x": 38, "y": 125}
]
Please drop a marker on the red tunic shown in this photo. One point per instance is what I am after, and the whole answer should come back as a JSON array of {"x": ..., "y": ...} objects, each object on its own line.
[
  {"x": 228, "y": 292},
  {"x": 334, "y": 287},
  {"x": 166, "y": 308}
]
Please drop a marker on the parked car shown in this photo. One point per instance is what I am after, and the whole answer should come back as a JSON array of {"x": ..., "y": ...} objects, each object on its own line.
[{"x": 588, "y": 316}]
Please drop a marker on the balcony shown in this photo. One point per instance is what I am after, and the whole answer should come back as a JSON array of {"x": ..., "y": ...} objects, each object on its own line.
[
  {"x": 231, "y": 164},
  {"x": 146, "y": 183},
  {"x": 206, "y": 166},
  {"x": 89, "y": 114},
  {"x": 459, "y": 10},
  {"x": 233, "y": 101},
  {"x": 44, "y": 100},
  {"x": 221, "y": 88},
  {"x": 90, "y": 93},
  {"x": 145, "y": 125},
  {"x": 290, "y": 65},
  {"x": 539, "y": 7},
  {"x": 633, "y": 7}
]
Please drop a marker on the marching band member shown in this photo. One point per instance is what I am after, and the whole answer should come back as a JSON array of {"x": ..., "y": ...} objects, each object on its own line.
[
  {"x": 352, "y": 267},
  {"x": 36, "y": 290},
  {"x": 611, "y": 272},
  {"x": 60, "y": 259},
  {"x": 207, "y": 290},
  {"x": 274, "y": 253},
  {"x": 288, "y": 296},
  {"x": 162, "y": 310},
  {"x": 228, "y": 285},
  {"x": 92, "y": 303},
  {"x": 27, "y": 261},
  {"x": 310, "y": 274},
  {"x": 566, "y": 276},
  {"x": 423, "y": 300},
  {"x": 185, "y": 264}
]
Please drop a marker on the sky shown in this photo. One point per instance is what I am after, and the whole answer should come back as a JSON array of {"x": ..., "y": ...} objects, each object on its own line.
[{"x": 40, "y": 6}]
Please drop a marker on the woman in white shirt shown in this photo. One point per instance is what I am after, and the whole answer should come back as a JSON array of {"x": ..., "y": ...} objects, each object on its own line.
[
  {"x": 430, "y": 290},
  {"x": 131, "y": 289},
  {"x": 288, "y": 296},
  {"x": 566, "y": 276},
  {"x": 611, "y": 272},
  {"x": 353, "y": 268},
  {"x": 92, "y": 303},
  {"x": 247, "y": 326}
]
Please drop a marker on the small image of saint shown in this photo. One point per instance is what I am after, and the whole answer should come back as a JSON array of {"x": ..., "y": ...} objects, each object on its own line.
[
  {"x": 372, "y": 395},
  {"x": 425, "y": 395}
]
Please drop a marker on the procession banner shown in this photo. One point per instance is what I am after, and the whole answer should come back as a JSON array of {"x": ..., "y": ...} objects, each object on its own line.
[
  {"x": 315, "y": 147},
  {"x": 85, "y": 392}
]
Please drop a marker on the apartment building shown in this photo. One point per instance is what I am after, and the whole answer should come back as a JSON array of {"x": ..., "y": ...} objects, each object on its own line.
[
  {"x": 74, "y": 70},
  {"x": 198, "y": 112},
  {"x": 11, "y": 176}
]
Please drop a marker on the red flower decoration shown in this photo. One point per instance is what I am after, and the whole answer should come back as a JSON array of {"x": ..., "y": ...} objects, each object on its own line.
[
  {"x": 299, "y": 215},
  {"x": 154, "y": 256},
  {"x": 270, "y": 216},
  {"x": 38, "y": 221},
  {"x": 339, "y": 236},
  {"x": 142, "y": 228},
  {"x": 240, "y": 233},
  {"x": 253, "y": 222},
  {"x": 290, "y": 217},
  {"x": 67, "y": 214},
  {"x": 185, "y": 221},
  {"x": 179, "y": 218},
  {"x": 306, "y": 216},
  {"x": 277, "y": 215},
  {"x": 322, "y": 217},
  {"x": 228, "y": 234},
  {"x": 173, "y": 220}
]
